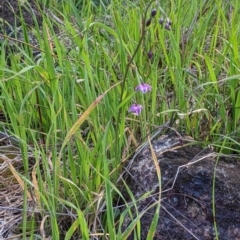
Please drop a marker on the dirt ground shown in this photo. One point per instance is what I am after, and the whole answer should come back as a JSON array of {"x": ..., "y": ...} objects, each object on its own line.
[{"x": 11, "y": 13}]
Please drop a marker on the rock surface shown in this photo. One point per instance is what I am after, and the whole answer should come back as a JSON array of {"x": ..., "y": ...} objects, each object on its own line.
[{"x": 186, "y": 204}]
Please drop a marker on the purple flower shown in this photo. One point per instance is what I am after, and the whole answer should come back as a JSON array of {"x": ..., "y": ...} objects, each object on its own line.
[
  {"x": 135, "y": 109},
  {"x": 143, "y": 87}
]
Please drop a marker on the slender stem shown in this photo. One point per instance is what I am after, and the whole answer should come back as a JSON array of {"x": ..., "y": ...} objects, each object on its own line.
[{"x": 126, "y": 73}]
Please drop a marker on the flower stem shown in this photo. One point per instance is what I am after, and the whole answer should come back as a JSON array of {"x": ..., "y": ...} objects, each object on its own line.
[{"x": 125, "y": 77}]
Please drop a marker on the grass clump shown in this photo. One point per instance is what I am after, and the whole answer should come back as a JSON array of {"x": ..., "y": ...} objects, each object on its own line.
[{"x": 67, "y": 106}]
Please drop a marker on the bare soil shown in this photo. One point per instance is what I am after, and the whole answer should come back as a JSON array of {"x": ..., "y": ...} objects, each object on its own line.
[{"x": 13, "y": 12}]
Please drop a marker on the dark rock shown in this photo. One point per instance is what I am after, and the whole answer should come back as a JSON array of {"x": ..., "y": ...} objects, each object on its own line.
[{"x": 186, "y": 195}]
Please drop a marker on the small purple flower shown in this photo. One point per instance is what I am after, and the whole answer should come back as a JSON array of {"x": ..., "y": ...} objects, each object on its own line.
[
  {"x": 135, "y": 109},
  {"x": 143, "y": 87}
]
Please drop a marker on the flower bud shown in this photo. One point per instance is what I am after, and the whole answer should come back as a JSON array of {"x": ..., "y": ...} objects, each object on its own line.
[
  {"x": 161, "y": 21},
  {"x": 150, "y": 55},
  {"x": 153, "y": 13},
  {"x": 169, "y": 21},
  {"x": 167, "y": 26},
  {"x": 148, "y": 22}
]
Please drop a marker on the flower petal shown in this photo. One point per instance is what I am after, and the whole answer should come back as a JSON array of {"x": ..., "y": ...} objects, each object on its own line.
[
  {"x": 143, "y": 87},
  {"x": 135, "y": 109}
]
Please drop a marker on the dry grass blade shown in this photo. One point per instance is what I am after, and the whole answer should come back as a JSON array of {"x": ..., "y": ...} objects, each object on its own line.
[
  {"x": 84, "y": 116},
  {"x": 12, "y": 188},
  {"x": 15, "y": 173},
  {"x": 209, "y": 155},
  {"x": 35, "y": 184},
  {"x": 42, "y": 231}
]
